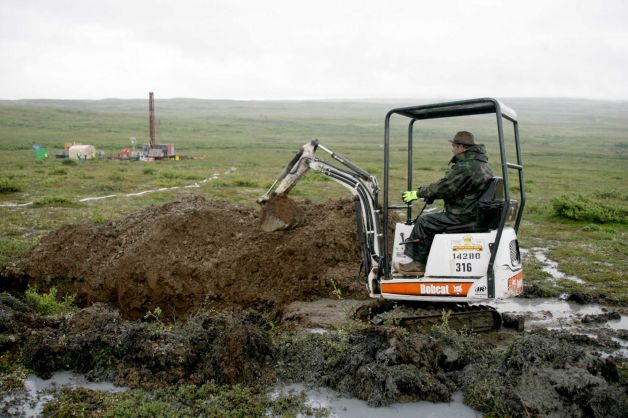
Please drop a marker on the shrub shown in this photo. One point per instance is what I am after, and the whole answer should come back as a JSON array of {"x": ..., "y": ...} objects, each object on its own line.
[
  {"x": 98, "y": 217},
  {"x": 582, "y": 208},
  {"x": 52, "y": 201},
  {"x": 9, "y": 186},
  {"x": 170, "y": 175},
  {"x": 245, "y": 183},
  {"x": 58, "y": 172},
  {"x": 47, "y": 303}
]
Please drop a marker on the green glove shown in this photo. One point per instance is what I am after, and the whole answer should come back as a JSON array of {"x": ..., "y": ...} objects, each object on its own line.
[{"x": 409, "y": 196}]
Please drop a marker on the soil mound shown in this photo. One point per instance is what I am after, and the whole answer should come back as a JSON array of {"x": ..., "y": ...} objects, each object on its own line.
[{"x": 193, "y": 252}]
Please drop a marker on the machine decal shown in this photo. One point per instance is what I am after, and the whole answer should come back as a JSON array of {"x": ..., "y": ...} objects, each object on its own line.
[
  {"x": 480, "y": 290},
  {"x": 467, "y": 244},
  {"x": 428, "y": 289},
  {"x": 467, "y": 253},
  {"x": 515, "y": 284}
]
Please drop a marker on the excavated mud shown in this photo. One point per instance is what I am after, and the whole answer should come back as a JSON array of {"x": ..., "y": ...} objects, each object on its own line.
[{"x": 181, "y": 255}]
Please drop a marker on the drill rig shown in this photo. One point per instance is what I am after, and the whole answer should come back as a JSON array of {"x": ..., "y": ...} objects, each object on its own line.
[{"x": 467, "y": 264}]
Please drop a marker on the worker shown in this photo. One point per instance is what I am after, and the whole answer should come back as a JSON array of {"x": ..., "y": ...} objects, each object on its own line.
[{"x": 461, "y": 188}]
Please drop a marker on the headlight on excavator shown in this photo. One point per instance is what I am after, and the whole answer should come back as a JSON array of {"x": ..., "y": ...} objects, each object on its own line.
[{"x": 515, "y": 255}]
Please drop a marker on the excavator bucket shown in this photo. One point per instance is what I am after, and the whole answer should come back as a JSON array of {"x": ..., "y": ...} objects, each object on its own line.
[{"x": 279, "y": 212}]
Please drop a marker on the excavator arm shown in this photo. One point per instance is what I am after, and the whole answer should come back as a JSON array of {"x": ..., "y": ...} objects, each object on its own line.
[{"x": 361, "y": 184}]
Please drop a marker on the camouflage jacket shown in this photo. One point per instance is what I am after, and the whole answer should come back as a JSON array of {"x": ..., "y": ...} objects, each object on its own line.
[{"x": 464, "y": 182}]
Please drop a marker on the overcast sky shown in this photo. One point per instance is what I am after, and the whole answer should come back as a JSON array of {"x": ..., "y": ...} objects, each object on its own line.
[{"x": 276, "y": 49}]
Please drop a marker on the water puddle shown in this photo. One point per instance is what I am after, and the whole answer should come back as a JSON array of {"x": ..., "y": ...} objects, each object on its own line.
[
  {"x": 622, "y": 323},
  {"x": 354, "y": 408},
  {"x": 550, "y": 266},
  {"x": 541, "y": 312},
  {"x": 30, "y": 401}
]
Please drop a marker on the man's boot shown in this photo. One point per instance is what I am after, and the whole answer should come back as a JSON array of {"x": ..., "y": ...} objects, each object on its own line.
[{"x": 413, "y": 268}]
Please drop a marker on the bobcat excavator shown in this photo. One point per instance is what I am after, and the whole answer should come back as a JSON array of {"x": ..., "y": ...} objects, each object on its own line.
[{"x": 467, "y": 264}]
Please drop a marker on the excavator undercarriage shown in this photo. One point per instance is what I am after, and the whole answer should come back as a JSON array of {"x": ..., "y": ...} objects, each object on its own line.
[{"x": 422, "y": 316}]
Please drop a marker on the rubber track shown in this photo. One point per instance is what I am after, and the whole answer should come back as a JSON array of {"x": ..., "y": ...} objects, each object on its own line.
[{"x": 473, "y": 318}]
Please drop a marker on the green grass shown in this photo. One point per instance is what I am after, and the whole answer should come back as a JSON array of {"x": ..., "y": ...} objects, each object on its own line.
[
  {"x": 54, "y": 201},
  {"x": 9, "y": 186},
  {"x": 12, "y": 247},
  {"x": 574, "y": 151},
  {"x": 49, "y": 303}
]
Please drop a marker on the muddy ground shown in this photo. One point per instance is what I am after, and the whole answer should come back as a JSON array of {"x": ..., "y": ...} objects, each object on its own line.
[{"x": 241, "y": 306}]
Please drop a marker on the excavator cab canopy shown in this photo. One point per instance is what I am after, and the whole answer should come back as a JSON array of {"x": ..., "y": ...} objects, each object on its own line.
[{"x": 446, "y": 110}]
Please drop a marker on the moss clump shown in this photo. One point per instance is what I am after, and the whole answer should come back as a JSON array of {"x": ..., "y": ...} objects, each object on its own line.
[
  {"x": 12, "y": 372},
  {"x": 208, "y": 400}
]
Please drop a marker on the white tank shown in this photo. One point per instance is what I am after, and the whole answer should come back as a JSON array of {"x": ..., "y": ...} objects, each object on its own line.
[{"x": 87, "y": 152}]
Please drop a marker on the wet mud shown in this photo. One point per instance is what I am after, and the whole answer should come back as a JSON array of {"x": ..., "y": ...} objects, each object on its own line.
[
  {"x": 225, "y": 347},
  {"x": 535, "y": 373},
  {"x": 242, "y": 306}
]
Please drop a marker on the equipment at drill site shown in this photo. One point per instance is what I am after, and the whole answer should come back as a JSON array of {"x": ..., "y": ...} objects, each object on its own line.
[
  {"x": 152, "y": 150},
  {"x": 467, "y": 264}
]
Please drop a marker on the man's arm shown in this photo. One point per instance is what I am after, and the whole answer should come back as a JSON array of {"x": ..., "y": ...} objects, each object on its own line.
[{"x": 450, "y": 186}]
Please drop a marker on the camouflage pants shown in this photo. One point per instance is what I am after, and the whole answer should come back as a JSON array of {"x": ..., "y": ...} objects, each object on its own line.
[{"x": 426, "y": 227}]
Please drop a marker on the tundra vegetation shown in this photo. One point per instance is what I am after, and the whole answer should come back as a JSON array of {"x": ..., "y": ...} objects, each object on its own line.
[{"x": 575, "y": 154}]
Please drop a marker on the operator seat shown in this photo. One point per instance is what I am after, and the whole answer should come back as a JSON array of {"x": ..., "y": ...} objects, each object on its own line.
[{"x": 489, "y": 210}]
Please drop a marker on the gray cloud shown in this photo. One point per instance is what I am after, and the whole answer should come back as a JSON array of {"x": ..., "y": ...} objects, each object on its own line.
[{"x": 325, "y": 49}]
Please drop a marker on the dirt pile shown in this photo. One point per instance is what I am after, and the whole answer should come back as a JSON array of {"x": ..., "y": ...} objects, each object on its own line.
[{"x": 183, "y": 254}]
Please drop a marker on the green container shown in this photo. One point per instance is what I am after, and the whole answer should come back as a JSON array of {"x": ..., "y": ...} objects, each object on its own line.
[{"x": 41, "y": 153}]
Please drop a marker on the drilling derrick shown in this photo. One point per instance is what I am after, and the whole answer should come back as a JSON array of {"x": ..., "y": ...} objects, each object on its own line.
[
  {"x": 151, "y": 119},
  {"x": 153, "y": 150}
]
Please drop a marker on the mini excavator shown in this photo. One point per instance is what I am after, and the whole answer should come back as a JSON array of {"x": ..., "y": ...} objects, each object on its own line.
[{"x": 467, "y": 264}]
